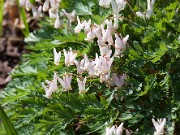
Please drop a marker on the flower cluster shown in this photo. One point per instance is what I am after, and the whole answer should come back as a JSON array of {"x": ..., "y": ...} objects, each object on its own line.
[
  {"x": 100, "y": 67},
  {"x": 107, "y": 40},
  {"x": 104, "y": 34},
  {"x": 118, "y": 130},
  {"x": 52, "y": 6}
]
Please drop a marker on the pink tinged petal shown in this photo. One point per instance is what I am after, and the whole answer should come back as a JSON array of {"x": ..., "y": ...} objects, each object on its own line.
[
  {"x": 48, "y": 94},
  {"x": 87, "y": 26},
  {"x": 57, "y": 57},
  {"x": 72, "y": 58},
  {"x": 159, "y": 126},
  {"x": 28, "y": 5},
  {"x": 67, "y": 58},
  {"x": 52, "y": 13},
  {"x": 80, "y": 25},
  {"x": 110, "y": 131},
  {"x": 57, "y": 23},
  {"x": 68, "y": 82},
  {"x": 118, "y": 81},
  {"x": 79, "y": 66},
  {"x": 37, "y": 12},
  {"x": 45, "y": 88},
  {"x": 116, "y": 20},
  {"x": 81, "y": 85},
  {"x": 62, "y": 82},
  {"x": 125, "y": 40},
  {"x": 54, "y": 4},
  {"x": 90, "y": 36},
  {"x": 119, "y": 130},
  {"x": 86, "y": 62},
  {"x": 46, "y": 5},
  {"x": 115, "y": 7}
]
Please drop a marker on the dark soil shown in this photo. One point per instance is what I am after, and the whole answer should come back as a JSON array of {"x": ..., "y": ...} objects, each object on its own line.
[{"x": 11, "y": 43}]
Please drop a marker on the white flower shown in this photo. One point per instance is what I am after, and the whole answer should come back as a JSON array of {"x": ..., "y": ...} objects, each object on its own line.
[
  {"x": 120, "y": 44},
  {"x": 103, "y": 64},
  {"x": 119, "y": 81},
  {"x": 105, "y": 3},
  {"x": 57, "y": 57},
  {"x": 70, "y": 57},
  {"x": 86, "y": 62},
  {"x": 121, "y": 4},
  {"x": 104, "y": 50},
  {"x": 81, "y": 85},
  {"x": 53, "y": 13},
  {"x": 107, "y": 33},
  {"x": 150, "y": 4},
  {"x": 79, "y": 66},
  {"x": 119, "y": 130},
  {"x": 70, "y": 16},
  {"x": 54, "y": 4},
  {"x": 110, "y": 130},
  {"x": 114, "y": 130},
  {"x": 66, "y": 82},
  {"x": 28, "y": 5},
  {"x": 159, "y": 126},
  {"x": 105, "y": 77},
  {"x": 91, "y": 70},
  {"x": 48, "y": 92},
  {"x": 37, "y": 12},
  {"x": 116, "y": 21},
  {"x": 80, "y": 25},
  {"x": 87, "y": 26},
  {"x": 90, "y": 36},
  {"x": 57, "y": 23},
  {"x": 52, "y": 86},
  {"x": 46, "y": 5}
]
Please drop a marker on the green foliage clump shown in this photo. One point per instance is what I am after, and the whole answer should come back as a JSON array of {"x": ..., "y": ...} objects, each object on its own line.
[{"x": 151, "y": 62}]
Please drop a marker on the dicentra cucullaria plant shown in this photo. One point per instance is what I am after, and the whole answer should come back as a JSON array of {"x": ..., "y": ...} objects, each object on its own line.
[{"x": 118, "y": 74}]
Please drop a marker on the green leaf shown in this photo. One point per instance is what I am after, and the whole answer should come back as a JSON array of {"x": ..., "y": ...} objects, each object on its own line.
[
  {"x": 7, "y": 123},
  {"x": 156, "y": 56},
  {"x": 83, "y": 9}
]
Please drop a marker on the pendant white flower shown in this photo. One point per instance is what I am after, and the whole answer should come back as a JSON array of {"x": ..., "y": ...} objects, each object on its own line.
[
  {"x": 52, "y": 86},
  {"x": 70, "y": 57},
  {"x": 46, "y": 5},
  {"x": 66, "y": 82},
  {"x": 57, "y": 57},
  {"x": 119, "y": 81},
  {"x": 81, "y": 85},
  {"x": 120, "y": 44},
  {"x": 57, "y": 23},
  {"x": 159, "y": 126},
  {"x": 80, "y": 25},
  {"x": 79, "y": 66}
]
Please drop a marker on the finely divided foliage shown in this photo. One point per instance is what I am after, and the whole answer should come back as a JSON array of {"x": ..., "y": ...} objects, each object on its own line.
[{"x": 98, "y": 67}]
